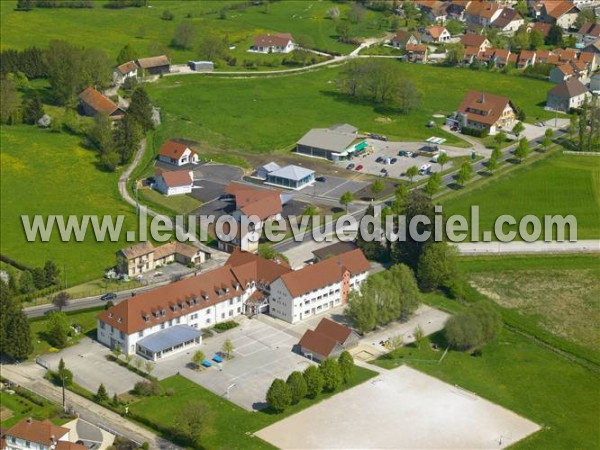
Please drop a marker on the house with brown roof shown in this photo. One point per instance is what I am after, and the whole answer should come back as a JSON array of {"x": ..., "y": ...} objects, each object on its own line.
[
  {"x": 403, "y": 38},
  {"x": 560, "y": 12},
  {"x": 508, "y": 22},
  {"x": 480, "y": 14},
  {"x": 436, "y": 11},
  {"x": 327, "y": 340},
  {"x": 31, "y": 434},
  {"x": 124, "y": 71},
  {"x": 589, "y": 32},
  {"x": 332, "y": 250},
  {"x": 273, "y": 43},
  {"x": 319, "y": 287},
  {"x": 484, "y": 111},
  {"x": 155, "y": 65},
  {"x": 526, "y": 59},
  {"x": 93, "y": 102},
  {"x": 590, "y": 59},
  {"x": 577, "y": 69},
  {"x": 173, "y": 182},
  {"x": 436, "y": 34},
  {"x": 169, "y": 318},
  {"x": 177, "y": 153},
  {"x": 417, "y": 53},
  {"x": 144, "y": 257},
  {"x": 542, "y": 27},
  {"x": 567, "y": 95},
  {"x": 478, "y": 41}
]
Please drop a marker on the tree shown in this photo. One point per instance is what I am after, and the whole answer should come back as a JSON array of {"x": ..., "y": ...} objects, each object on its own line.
[
  {"x": 346, "y": 364},
  {"x": 9, "y": 106},
  {"x": 346, "y": 199},
  {"x": 356, "y": 13},
  {"x": 33, "y": 109},
  {"x": 492, "y": 164},
  {"x": 52, "y": 273},
  {"x": 463, "y": 332},
  {"x": 227, "y": 348},
  {"x": 138, "y": 363},
  {"x": 443, "y": 159},
  {"x": 140, "y": 108},
  {"x": 418, "y": 334},
  {"x": 128, "y": 358},
  {"x": 57, "y": 329},
  {"x": 126, "y": 54},
  {"x": 500, "y": 138},
  {"x": 438, "y": 266},
  {"x": 149, "y": 366},
  {"x": 522, "y": 8},
  {"x": 518, "y": 129},
  {"x": 412, "y": 172},
  {"x": 362, "y": 311},
  {"x": 267, "y": 251},
  {"x": 343, "y": 30},
  {"x": 101, "y": 394},
  {"x": 64, "y": 375},
  {"x": 454, "y": 27},
  {"x": 377, "y": 186},
  {"x": 433, "y": 184},
  {"x": 198, "y": 358},
  {"x": 332, "y": 376},
  {"x": 465, "y": 173},
  {"x": 191, "y": 422},
  {"x": 127, "y": 137},
  {"x": 185, "y": 35},
  {"x": 547, "y": 140},
  {"x": 396, "y": 341},
  {"x": 455, "y": 53},
  {"x": 279, "y": 395},
  {"x": 26, "y": 284},
  {"x": 167, "y": 15},
  {"x": 585, "y": 16},
  {"x": 333, "y": 13},
  {"x": 490, "y": 320},
  {"x": 15, "y": 336},
  {"x": 212, "y": 47},
  {"x": 61, "y": 300},
  {"x": 555, "y": 35},
  {"x": 314, "y": 381},
  {"x": 297, "y": 385},
  {"x": 536, "y": 39},
  {"x": 522, "y": 149}
]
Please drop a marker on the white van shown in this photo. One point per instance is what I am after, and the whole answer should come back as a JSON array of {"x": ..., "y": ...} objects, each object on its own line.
[
  {"x": 435, "y": 157},
  {"x": 425, "y": 169}
]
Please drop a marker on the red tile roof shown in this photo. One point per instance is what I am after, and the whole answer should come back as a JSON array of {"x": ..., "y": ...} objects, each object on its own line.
[
  {"x": 175, "y": 178},
  {"x": 490, "y": 105},
  {"x": 127, "y": 67},
  {"x": 97, "y": 101},
  {"x": 325, "y": 272},
  {"x": 40, "y": 432},
  {"x": 557, "y": 8},
  {"x": 472, "y": 40},
  {"x": 334, "y": 330},
  {"x": 273, "y": 40},
  {"x": 435, "y": 31},
  {"x": 263, "y": 203},
  {"x": 542, "y": 27},
  {"x": 590, "y": 29},
  {"x": 174, "y": 149},
  {"x": 419, "y": 48},
  {"x": 318, "y": 343}
]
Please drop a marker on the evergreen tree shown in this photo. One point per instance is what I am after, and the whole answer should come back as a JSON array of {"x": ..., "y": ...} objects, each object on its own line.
[
  {"x": 127, "y": 138},
  {"x": 314, "y": 381},
  {"x": 15, "y": 337},
  {"x": 332, "y": 376},
  {"x": 126, "y": 54},
  {"x": 140, "y": 108},
  {"x": 33, "y": 110},
  {"x": 26, "y": 282},
  {"x": 346, "y": 363},
  {"x": 63, "y": 375},
  {"x": 57, "y": 329},
  {"x": 297, "y": 385},
  {"x": 279, "y": 395},
  {"x": 52, "y": 273},
  {"x": 371, "y": 248},
  {"x": 101, "y": 394}
]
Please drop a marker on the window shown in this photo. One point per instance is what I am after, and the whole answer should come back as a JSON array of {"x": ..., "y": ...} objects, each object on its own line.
[
  {"x": 102, "y": 325},
  {"x": 231, "y": 313},
  {"x": 208, "y": 320},
  {"x": 177, "y": 320},
  {"x": 122, "y": 335},
  {"x": 222, "y": 315},
  {"x": 162, "y": 326},
  {"x": 239, "y": 310},
  {"x": 207, "y": 310},
  {"x": 141, "y": 333}
]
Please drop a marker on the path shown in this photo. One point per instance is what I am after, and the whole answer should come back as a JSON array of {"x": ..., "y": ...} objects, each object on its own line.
[{"x": 520, "y": 247}]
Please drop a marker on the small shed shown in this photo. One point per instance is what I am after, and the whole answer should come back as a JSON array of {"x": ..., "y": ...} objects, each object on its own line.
[
  {"x": 201, "y": 66},
  {"x": 263, "y": 171}
]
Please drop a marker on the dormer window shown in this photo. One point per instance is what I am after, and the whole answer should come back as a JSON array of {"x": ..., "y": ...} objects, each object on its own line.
[
  {"x": 163, "y": 312},
  {"x": 146, "y": 318},
  {"x": 173, "y": 308},
  {"x": 120, "y": 320},
  {"x": 110, "y": 314}
]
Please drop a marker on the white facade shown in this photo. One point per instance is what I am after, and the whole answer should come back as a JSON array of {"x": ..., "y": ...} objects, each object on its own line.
[
  {"x": 274, "y": 48},
  {"x": 187, "y": 157},
  {"x": 14, "y": 443},
  {"x": 161, "y": 186}
]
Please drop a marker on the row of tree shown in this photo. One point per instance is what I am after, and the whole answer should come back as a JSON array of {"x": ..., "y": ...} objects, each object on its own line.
[
  {"x": 27, "y": 5},
  {"x": 15, "y": 335},
  {"x": 33, "y": 279},
  {"x": 585, "y": 126},
  {"x": 328, "y": 377}
]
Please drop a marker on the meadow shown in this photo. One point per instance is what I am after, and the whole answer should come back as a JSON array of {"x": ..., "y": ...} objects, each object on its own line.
[
  {"x": 143, "y": 28},
  {"x": 558, "y": 184},
  {"x": 271, "y": 114},
  {"x": 51, "y": 173}
]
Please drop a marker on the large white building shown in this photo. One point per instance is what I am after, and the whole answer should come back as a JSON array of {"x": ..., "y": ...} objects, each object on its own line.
[{"x": 169, "y": 319}]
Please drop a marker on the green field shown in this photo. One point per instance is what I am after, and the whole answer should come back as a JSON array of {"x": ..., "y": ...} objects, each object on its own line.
[
  {"x": 526, "y": 378},
  {"x": 46, "y": 173},
  {"x": 228, "y": 425},
  {"x": 111, "y": 29},
  {"x": 16, "y": 408},
  {"x": 271, "y": 114},
  {"x": 559, "y": 184}
]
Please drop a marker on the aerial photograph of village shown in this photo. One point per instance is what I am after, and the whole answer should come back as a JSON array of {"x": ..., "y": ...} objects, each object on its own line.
[{"x": 299, "y": 224}]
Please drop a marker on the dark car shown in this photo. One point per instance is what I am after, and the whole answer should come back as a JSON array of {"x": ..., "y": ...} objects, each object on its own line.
[
  {"x": 415, "y": 154},
  {"x": 393, "y": 160},
  {"x": 402, "y": 153},
  {"x": 350, "y": 166},
  {"x": 383, "y": 170},
  {"x": 379, "y": 159},
  {"x": 109, "y": 296},
  {"x": 321, "y": 179}
]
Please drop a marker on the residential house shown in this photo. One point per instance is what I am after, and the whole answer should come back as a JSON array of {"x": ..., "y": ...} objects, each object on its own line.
[
  {"x": 251, "y": 207},
  {"x": 155, "y": 65},
  {"x": 144, "y": 257},
  {"x": 471, "y": 54},
  {"x": 437, "y": 35},
  {"x": 560, "y": 12},
  {"x": 484, "y": 111},
  {"x": 590, "y": 59},
  {"x": 177, "y": 153},
  {"x": 478, "y": 41},
  {"x": 403, "y": 38},
  {"x": 318, "y": 287},
  {"x": 31, "y": 434},
  {"x": 595, "y": 83},
  {"x": 576, "y": 69},
  {"x": 481, "y": 14},
  {"x": 124, "y": 71},
  {"x": 328, "y": 340},
  {"x": 417, "y": 53},
  {"x": 508, "y": 22},
  {"x": 567, "y": 95},
  {"x": 291, "y": 177},
  {"x": 594, "y": 48},
  {"x": 566, "y": 54},
  {"x": 526, "y": 59},
  {"x": 273, "y": 43},
  {"x": 456, "y": 9},
  {"x": 542, "y": 27},
  {"x": 175, "y": 182},
  {"x": 436, "y": 11},
  {"x": 547, "y": 57},
  {"x": 329, "y": 143},
  {"x": 588, "y": 33},
  {"x": 93, "y": 102}
]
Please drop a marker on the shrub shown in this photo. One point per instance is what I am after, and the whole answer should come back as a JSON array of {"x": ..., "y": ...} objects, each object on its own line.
[
  {"x": 224, "y": 326},
  {"x": 169, "y": 392},
  {"x": 474, "y": 132},
  {"x": 146, "y": 388}
]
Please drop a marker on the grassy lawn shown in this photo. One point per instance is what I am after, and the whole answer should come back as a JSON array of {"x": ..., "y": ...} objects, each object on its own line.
[
  {"x": 558, "y": 184},
  {"x": 46, "y": 173},
  {"x": 229, "y": 426},
  {"x": 144, "y": 29},
  {"x": 86, "y": 319},
  {"x": 180, "y": 204},
  {"x": 560, "y": 294},
  {"x": 16, "y": 408},
  {"x": 526, "y": 378}
]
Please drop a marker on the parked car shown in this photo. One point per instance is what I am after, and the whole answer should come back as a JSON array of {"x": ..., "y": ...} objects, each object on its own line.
[
  {"x": 379, "y": 159},
  {"x": 425, "y": 169},
  {"x": 393, "y": 160},
  {"x": 414, "y": 155},
  {"x": 409, "y": 154},
  {"x": 350, "y": 166},
  {"x": 108, "y": 296},
  {"x": 383, "y": 170},
  {"x": 359, "y": 167},
  {"x": 402, "y": 153},
  {"x": 321, "y": 179}
]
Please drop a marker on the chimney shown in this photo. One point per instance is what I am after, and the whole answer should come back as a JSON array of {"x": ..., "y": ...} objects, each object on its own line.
[{"x": 482, "y": 98}]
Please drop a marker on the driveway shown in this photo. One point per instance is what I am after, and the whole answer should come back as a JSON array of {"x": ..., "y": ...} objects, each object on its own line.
[{"x": 219, "y": 173}]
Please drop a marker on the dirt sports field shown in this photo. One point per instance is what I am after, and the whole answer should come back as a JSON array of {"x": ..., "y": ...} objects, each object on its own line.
[{"x": 403, "y": 409}]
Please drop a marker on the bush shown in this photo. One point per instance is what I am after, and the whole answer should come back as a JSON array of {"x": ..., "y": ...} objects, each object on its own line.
[
  {"x": 169, "y": 392},
  {"x": 146, "y": 388},
  {"x": 224, "y": 326},
  {"x": 474, "y": 132}
]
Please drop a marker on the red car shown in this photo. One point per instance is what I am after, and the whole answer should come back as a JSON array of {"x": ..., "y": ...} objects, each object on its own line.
[{"x": 359, "y": 167}]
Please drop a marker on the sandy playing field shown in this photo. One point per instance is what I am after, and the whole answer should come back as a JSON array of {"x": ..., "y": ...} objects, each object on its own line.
[{"x": 401, "y": 409}]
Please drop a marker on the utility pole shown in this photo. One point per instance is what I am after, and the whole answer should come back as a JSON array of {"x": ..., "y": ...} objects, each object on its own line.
[{"x": 64, "y": 398}]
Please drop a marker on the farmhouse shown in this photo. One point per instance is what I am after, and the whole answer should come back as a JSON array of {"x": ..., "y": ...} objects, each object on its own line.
[
  {"x": 143, "y": 257},
  {"x": 177, "y": 153},
  {"x": 291, "y": 177},
  {"x": 436, "y": 34},
  {"x": 329, "y": 143},
  {"x": 568, "y": 94},
  {"x": 124, "y": 71},
  {"x": 155, "y": 65},
  {"x": 35, "y": 434},
  {"x": 403, "y": 38},
  {"x": 328, "y": 340},
  {"x": 487, "y": 112},
  {"x": 175, "y": 182},
  {"x": 273, "y": 43},
  {"x": 93, "y": 102},
  {"x": 318, "y": 287}
]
